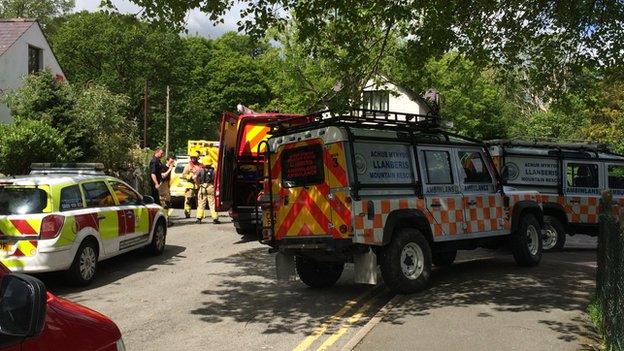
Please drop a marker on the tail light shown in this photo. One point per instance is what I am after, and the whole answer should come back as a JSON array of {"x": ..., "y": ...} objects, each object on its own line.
[{"x": 51, "y": 226}]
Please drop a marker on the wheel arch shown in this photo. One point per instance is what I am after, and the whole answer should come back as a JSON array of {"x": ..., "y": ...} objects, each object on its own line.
[
  {"x": 557, "y": 211},
  {"x": 406, "y": 218},
  {"x": 523, "y": 207},
  {"x": 88, "y": 234}
]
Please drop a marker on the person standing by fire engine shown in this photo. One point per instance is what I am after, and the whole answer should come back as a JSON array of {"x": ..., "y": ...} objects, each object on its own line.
[
  {"x": 156, "y": 168},
  {"x": 164, "y": 191},
  {"x": 206, "y": 193},
  {"x": 190, "y": 170}
]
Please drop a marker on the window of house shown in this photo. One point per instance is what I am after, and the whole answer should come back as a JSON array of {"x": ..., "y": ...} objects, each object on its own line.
[
  {"x": 438, "y": 167},
  {"x": 475, "y": 170},
  {"x": 376, "y": 100},
  {"x": 35, "y": 59},
  {"x": 582, "y": 175}
]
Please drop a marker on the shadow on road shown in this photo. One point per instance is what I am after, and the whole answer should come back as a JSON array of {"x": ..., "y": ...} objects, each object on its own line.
[
  {"x": 250, "y": 294},
  {"x": 562, "y": 281},
  {"x": 113, "y": 269}
]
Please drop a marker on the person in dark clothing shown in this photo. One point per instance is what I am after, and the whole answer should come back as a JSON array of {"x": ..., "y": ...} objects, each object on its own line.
[{"x": 156, "y": 169}]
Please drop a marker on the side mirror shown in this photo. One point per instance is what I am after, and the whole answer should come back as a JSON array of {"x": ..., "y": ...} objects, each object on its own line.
[
  {"x": 148, "y": 200},
  {"x": 23, "y": 301}
]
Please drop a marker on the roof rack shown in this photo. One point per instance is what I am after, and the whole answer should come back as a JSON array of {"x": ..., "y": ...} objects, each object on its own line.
[
  {"x": 358, "y": 117},
  {"x": 549, "y": 143},
  {"x": 67, "y": 168}
]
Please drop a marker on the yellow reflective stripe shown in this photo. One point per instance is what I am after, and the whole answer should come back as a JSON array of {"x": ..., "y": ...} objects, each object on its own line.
[{"x": 13, "y": 263}]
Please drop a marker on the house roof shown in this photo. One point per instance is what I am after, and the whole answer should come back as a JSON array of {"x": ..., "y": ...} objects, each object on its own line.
[
  {"x": 11, "y": 30},
  {"x": 412, "y": 95}
]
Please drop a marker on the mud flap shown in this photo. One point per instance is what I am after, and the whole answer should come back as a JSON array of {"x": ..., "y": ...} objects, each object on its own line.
[
  {"x": 365, "y": 266},
  {"x": 285, "y": 267}
]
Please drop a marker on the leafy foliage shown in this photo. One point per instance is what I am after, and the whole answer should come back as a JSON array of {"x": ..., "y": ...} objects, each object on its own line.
[
  {"x": 90, "y": 124},
  {"x": 44, "y": 11},
  {"x": 27, "y": 141}
]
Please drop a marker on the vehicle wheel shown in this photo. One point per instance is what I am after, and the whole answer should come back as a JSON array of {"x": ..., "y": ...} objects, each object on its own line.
[
  {"x": 83, "y": 268},
  {"x": 441, "y": 259},
  {"x": 317, "y": 274},
  {"x": 406, "y": 262},
  {"x": 526, "y": 243},
  {"x": 157, "y": 245},
  {"x": 555, "y": 235}
]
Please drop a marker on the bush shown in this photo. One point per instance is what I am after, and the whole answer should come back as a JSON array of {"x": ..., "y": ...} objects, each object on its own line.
[{"x": 27, "y": 141}]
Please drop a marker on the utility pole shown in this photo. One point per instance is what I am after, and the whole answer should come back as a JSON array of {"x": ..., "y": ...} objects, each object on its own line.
[
  {"x": 145, "y": 93},
  {"x": 167, "y": 126}
]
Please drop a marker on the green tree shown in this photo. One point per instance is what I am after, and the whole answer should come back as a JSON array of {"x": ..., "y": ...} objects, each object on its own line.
[
  {"x": 91, "y": 123},
  {"x": 44, "y": 11},
  {"x": 552, "y": 40},
  {"x": 122, "y": 54},
  {"x": 27, "y": 141}
]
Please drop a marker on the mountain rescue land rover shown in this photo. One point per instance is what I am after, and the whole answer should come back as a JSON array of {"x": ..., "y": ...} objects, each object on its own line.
[
  {"x": 570, "y": 199},
  {"x": 388, "y": 190}
]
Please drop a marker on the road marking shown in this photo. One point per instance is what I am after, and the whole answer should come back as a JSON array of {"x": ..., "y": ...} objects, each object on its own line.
[
  {"x": 305, "y": 344},
  {"x": 350, "y": 322}
]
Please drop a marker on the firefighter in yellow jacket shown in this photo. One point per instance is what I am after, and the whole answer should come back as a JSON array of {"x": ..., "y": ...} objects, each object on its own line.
[
  {"x": 190, "y": 170},
  {"x": 206, "y": 193}
]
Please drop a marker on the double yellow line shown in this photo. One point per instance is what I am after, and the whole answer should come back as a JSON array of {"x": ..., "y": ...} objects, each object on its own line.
[{"x": 320, "y": 330}]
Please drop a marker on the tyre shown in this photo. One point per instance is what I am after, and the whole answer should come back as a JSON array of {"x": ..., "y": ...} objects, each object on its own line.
[
  {"x": 157, "y": 245},
  {"x": 406, "y": 262},
  {"x": 441, "y": 259},
  {"x": 83, "y": 268},
  {"x": 526, "y": 243},
  {"x": 555, "y": 234},
  {"x": 317, "y": 274}
]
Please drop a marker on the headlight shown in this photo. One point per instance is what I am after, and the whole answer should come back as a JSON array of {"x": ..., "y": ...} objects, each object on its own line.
[{"x": 120, "y": 345}]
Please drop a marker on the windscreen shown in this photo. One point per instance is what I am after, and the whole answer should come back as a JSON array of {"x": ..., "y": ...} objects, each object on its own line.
[
  {"x": 15, "y": 200},
  {"x": 302, "y": 166},
  {"x": 180, "y": 167}
]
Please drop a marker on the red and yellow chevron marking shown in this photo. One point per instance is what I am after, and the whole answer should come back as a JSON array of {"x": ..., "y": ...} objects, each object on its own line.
[
  {"x": 20, "y": 226},
  {"x": 251, "y": 138},
  {"x": 310, "y": 211},
  {"x": 25, "y": 248}
]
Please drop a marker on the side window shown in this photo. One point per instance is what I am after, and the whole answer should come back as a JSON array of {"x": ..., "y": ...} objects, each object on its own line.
[
  {"x": 97, "y": 194},
  {"x": 125, "y": 195},
  {"x": 474, "y": 168},
  {"x": 582, "y": 175},
  {"x": 438, "y": 167},
  {"x": 616, "y": 177},
  {"x": 71, "y": 198}
]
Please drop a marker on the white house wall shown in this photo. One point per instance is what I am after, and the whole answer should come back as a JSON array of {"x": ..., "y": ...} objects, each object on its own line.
[
  {"x": 398, "y": 100},
  {"x": 14, "y": 64}
]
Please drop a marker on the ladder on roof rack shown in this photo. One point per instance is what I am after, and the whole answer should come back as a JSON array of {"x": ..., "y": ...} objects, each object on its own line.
[
  {"x": 358, "y": 117},
  {"x": 67, "y": 168},
  {"x": 551, "y": 143}
]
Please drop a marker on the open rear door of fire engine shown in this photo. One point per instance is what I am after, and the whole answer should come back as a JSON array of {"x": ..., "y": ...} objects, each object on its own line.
[{"x": 227, "y": 161}]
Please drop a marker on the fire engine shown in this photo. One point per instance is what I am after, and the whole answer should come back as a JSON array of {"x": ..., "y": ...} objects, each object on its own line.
[
  {"x": 240, "y": 165},
  {"x": 388, "y": 190},
  {"x": 570, "y": 198}
]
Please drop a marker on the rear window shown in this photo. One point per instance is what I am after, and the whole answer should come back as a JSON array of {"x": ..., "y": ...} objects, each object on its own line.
[
  {"x": 71, "y": 198},
  {"x": 302, "y": 166},
  {"x": 180, "y": 167},
  {"x": 16, "y": 200}
]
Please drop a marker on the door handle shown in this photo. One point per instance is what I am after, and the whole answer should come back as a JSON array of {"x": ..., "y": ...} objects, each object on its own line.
[
  {"x": 575, "y": 201},
  {"x": 286, "y": 200},
  {"x": 101, "y": 218},
  {"x": 472, "y": 203},
  {"x": 436, "y": 205}
]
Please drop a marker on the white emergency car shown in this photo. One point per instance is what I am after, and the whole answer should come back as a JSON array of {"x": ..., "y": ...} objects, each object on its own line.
[{"x": 63, "y": 218}]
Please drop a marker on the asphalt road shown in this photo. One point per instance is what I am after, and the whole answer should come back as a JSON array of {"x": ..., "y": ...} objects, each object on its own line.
[{"x": 213, "y": 290}]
